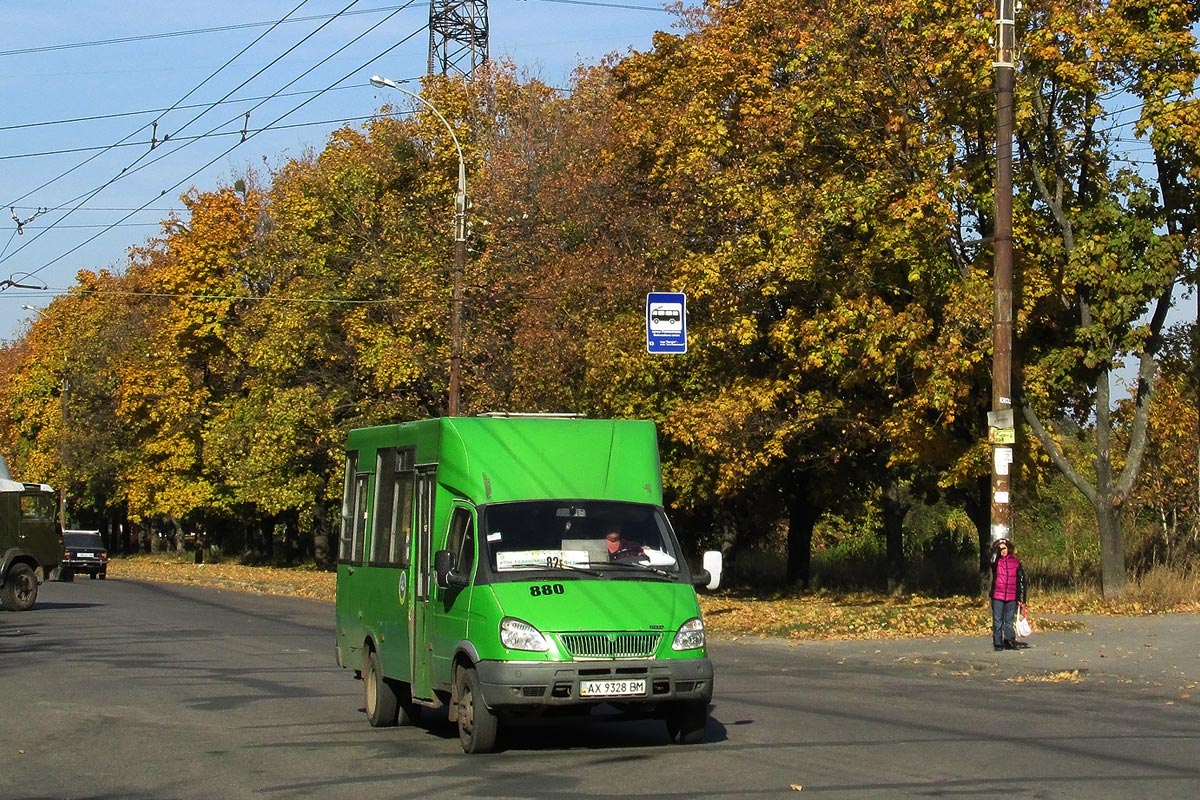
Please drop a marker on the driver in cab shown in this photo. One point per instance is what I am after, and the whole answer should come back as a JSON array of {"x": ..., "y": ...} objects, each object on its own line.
[{"x": 620, "y": 548}]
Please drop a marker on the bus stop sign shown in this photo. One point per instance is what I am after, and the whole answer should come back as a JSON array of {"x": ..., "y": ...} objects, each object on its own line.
[{"x": 666, "y": 322}]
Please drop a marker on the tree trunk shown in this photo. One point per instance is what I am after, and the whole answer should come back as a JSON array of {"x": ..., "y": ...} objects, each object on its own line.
[
  {"x": 894, "y": 510},
  {"x": 729, "y": 539},
  {"x": 802, "y": 517},
  {"x": 1112, "y": 551},
  {"x": 979, "y": 509},
  {"x": 321, "y": 538}
]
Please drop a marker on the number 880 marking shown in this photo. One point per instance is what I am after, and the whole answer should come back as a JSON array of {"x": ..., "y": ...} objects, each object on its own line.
[{"x": 546, "y": 589}]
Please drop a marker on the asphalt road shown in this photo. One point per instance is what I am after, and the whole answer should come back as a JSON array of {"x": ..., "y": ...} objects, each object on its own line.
[{"x": 120, "y": 689}]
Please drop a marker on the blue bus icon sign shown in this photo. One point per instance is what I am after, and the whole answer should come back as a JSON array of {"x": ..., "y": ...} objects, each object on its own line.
[{"x": 666, "y": 322}]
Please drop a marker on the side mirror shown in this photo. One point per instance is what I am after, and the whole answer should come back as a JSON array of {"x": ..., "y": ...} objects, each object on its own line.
[
  {"x": 444, "y": 564},
  {"x": 713, "y": 562}
]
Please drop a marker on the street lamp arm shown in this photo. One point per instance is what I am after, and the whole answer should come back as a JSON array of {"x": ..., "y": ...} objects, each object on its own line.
[
  {"x": 381, "y": 82},
  {"x": 454, "y": 389}
]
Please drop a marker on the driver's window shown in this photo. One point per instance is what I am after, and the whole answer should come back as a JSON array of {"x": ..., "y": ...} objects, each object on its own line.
[{"x": 461, "y": 541}]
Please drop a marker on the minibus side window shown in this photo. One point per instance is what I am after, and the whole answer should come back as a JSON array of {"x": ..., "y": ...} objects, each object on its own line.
[
  {"x": 402, "y": 505},
  {"x": 394, "y": 484},
  {"x": 354, "y": 512},
  {"x": 461, "y": 541},
  {"x": 385, "y": 481},
  {"x": 346, "y": 550},
  {"x": 360, "y": 515}
]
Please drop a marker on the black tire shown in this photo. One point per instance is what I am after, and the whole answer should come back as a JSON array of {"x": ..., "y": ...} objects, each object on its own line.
[
  {"x": 20, "y": 588},
  {"x": 477, "y": 725},
  {"x": 686, "y": 722},
  {"x": 378, "y": 698},
  {"x": 104, "y": 575},
  {"x": 408, "y": 712},
  {"x": 92, "y": 575},
  {"x": 66, "y": 575}
]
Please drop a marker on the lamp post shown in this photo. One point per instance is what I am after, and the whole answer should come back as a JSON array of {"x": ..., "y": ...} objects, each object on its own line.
[
  {"x": 460, "y": 249},
  {"x": 62, "y": 438}
]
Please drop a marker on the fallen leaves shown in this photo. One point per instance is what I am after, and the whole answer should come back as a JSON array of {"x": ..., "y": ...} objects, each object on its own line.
[
  {"x": 297, "y": 582},
  {"x": 808, "y": 616},
  {"x": 1065, "y": 676}
]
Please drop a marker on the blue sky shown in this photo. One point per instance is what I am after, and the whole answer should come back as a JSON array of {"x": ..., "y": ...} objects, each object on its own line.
[{"x": 76, "y": 109}]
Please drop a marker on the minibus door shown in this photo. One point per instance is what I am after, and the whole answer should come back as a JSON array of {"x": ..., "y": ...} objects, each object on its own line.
[{"x": 419, "y": 632}]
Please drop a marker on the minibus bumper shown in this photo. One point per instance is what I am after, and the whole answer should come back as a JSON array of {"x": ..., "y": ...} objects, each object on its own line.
[{"x": 524, "y": 683}]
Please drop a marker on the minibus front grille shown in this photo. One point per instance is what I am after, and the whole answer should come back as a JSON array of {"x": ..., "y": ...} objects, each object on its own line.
[{"x": 611, "y": 645}]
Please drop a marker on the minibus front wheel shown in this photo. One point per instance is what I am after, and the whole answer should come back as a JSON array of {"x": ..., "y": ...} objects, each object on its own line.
[
  {"x": 477, "y": 725},
  {"x": 686, "y": 721},
  {"x": 379, "y": 699}
]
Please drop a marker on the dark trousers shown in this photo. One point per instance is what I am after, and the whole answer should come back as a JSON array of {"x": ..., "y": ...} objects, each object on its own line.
[{"x": 1003, "y": 612}]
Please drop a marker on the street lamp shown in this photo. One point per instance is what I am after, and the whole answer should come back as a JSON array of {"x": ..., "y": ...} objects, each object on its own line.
[
  {"x": 62, "y": 439},
  {"x": 460, "y": 248}
]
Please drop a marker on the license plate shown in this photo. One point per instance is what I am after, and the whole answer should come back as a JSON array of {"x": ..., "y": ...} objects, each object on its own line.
[
  {"x": 612, "y": 688},
  {"x": 84, "y": 555}
]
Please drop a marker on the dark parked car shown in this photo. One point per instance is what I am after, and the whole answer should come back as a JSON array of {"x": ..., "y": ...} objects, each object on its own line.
[{"x": 83, "y": 551}]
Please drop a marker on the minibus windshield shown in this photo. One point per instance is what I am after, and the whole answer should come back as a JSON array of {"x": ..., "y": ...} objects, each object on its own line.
[{"x": 588, "y": 537}]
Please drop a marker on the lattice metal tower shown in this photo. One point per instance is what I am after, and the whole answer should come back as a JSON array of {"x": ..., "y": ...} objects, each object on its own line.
[{"x": 458, "y": 36}]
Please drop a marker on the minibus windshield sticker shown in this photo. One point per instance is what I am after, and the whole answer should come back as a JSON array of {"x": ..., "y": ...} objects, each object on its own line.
[{"x": 509, "y": 560}]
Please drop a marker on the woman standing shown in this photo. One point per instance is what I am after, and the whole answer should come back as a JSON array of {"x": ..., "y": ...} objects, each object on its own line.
[{"x": 1008, "y": 590}]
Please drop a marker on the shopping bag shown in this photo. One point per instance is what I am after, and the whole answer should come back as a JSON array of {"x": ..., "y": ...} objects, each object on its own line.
[{"x": 1021, "y": 624}]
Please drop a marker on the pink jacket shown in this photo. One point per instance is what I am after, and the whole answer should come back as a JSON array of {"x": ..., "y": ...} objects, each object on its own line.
[{"x": 1007, "y": 580}]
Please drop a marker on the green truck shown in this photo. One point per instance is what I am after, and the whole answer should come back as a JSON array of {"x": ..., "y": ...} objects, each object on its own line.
[
  {"x": 30, "y": 539},
  {"x": 514, "y": 565}
]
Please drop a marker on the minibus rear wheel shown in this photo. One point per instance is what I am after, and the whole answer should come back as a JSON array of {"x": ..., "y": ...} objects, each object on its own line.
[
  {"x": 379, "y": 699},
  {"x": 477, "y": 725}
]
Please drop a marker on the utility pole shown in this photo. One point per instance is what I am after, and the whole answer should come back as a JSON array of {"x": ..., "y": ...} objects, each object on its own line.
[
  {"x": 458, "y": 36},
  {"x": 454, "y": 402},
  {"x": 1001, "y": 425}
]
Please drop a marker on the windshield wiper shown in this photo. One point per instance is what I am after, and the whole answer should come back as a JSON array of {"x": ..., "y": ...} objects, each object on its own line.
[{"x": 643, "y": 567}]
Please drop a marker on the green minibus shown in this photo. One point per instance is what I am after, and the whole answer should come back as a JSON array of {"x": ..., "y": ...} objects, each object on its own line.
[{"x": 513, "y": 565}]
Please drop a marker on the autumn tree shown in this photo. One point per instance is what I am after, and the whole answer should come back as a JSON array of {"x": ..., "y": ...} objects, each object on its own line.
[
  {"x": 171, "y": 374},
  {"x": 1102, "y": 243},
  {"x": 797, "y": 157}
]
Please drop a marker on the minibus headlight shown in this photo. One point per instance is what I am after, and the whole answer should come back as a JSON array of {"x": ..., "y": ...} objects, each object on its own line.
[
  {"x": 690, "y": 635},
  {"x": 518, "y": 635}
]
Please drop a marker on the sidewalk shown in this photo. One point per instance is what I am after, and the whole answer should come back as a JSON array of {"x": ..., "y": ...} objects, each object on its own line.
[{"x": 1159, "y": 650}]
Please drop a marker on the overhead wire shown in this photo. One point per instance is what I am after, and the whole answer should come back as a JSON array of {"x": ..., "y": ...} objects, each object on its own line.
[
  {"x": 173, "y": 34},
  {"x": 129, "y": 169},
  {"x": 175, "y": 139},
  {"x": 269, "y": 126},
  {"x": 143, "y": 112},
  {"x": 173, "y": 106},
  {"x": 245, "y": 25},
  {"x": 245, "y": 132}
]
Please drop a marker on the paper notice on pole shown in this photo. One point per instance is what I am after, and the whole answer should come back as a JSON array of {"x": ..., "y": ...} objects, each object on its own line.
[
  {"x": 1000, "y": 498},
  {"x": 1003, "y": 457}
]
